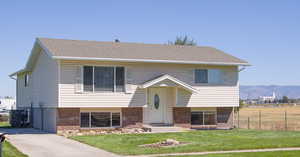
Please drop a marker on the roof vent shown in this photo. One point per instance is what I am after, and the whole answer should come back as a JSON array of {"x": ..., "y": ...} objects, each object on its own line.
[{"x": 117, "y": 40}]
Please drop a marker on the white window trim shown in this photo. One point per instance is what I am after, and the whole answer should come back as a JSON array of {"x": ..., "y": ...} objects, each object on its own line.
[
  {"x": 215, "y": 112},
  {"x": 115, "y": 89},
  {"x": 90, "y": 121}
]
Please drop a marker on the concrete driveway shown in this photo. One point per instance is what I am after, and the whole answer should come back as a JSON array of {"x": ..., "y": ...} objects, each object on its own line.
[{"x": 36, "y": 143}]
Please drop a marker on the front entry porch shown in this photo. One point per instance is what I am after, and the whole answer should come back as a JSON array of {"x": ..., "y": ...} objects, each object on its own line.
[
  {"x": 159, "y": 107},
  {"x": 161, "y": 99}
]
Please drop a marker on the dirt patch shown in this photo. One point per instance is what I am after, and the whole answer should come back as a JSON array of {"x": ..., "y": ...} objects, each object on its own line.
[{"x": 165, "y": 143}]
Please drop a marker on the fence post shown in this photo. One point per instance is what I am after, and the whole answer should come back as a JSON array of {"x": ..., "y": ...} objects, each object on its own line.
[
  {"x": 248, "y": 123},
  {"x": 238, "y": 119},
  {"x": 259, "y": 119},
  {"x": 285, "y": 120}
]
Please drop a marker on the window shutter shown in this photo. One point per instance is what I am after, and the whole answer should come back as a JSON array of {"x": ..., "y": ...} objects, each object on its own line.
[{"x": 79, "y": 80}]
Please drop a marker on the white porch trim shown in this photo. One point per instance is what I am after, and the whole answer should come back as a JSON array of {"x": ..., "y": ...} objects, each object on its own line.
[{"x": 171, "y": 78}]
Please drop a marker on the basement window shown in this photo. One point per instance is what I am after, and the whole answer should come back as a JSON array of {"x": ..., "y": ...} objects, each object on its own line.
[
  {"x": 203, "y": 118},
  {"x": 100, "y": 119}
]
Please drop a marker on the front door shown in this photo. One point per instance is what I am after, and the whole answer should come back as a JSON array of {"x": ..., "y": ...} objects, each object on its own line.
[{"x": 157, "y": 105}]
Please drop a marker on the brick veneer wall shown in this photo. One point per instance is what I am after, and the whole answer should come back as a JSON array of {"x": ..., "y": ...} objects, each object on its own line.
[
  {"x": 68, "y": 119},
  {"x": 182, "y": 116},
  {"x": 132, "y": 117},
  {"x": 224, "y": 117}
]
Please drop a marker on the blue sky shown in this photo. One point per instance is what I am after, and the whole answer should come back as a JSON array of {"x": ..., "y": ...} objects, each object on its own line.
[{"x": 265, "y": 33}]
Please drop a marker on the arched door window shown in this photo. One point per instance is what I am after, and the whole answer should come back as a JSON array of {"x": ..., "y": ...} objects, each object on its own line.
[{"x": 156, "y": 101}]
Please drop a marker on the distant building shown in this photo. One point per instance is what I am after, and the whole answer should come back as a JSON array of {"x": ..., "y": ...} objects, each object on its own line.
[
  {"x": 7, "y": 104},
  {"x": 268, "y": 99}
]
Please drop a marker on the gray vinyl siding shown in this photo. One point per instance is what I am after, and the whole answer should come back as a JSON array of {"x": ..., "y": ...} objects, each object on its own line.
[
  {"x": 209, "y": 97},
  {"x": 223, "y": 93},
  {"x": 43, "y": 84},
  {"x": 45, "y": 119},
  {"x": 23, "y": 97}
]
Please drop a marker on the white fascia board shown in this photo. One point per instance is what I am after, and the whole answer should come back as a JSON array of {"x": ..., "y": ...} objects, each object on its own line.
[
  {"x": 37, "y": 42},
  {"x": 208, "y": 106},
  {"x": 164, "y": 77},
  {"x": 32, "y": 53},
  {"x": 12, "y": 76},
  {"x": 149, "y": 61},
  {"x": 44, "y": 48}
]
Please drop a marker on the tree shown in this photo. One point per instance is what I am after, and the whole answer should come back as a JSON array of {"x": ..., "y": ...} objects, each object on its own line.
[
  {"x": 242, "y": 104},
  {"x": 285, "y": 99},
  {"x": 183, "y": 40}
]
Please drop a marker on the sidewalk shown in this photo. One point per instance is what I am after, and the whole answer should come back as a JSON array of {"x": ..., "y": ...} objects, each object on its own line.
[{"x": 220, "y": 152}]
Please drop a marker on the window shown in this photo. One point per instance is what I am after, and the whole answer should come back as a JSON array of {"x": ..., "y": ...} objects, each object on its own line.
[
  {"x": 197, "y": 118},
  {"x": 203, "y": 118},
  {"x": 100, "y": 119},
  {"x": 103, "y": 79},
  {"x": 88, "y": 78},
  {"x": 201, "y": 76},
  {"x": 84, "y": 119},
  {"x": 26, "y": 80},
  {"x": 209, "y": 118},
  {"x": 156, "y": 101},
  {"x": 120, "y": 81},
  {"x": 115, "y": 119}
]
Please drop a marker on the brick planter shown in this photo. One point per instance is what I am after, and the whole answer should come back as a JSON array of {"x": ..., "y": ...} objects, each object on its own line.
[
  {"x": 132, "y": 117},
  {"x": 68, "y": 119},
  {"x": 182, "y": 117}
]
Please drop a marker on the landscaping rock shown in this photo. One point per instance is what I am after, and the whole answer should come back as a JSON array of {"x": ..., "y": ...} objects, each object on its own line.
[
  {"x": 68, "y": 133},
  {"x": 165, "y": 143}
]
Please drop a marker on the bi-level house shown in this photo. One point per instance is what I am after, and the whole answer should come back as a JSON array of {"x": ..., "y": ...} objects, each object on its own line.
[{"x": 73, "y": 85}]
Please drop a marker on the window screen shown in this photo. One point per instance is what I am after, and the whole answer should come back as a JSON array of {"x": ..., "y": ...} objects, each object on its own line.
[
  {"x": 120, "y": 75},
  {"x": 88, "y": 78},
  {"x": 197, "y": 118},
  {"x": 201, "y": 76},
  {"x": 209, "y": 118},
  {"x": 104, "y": 78},
  {"x": 84, "y": 119},
  {"x": 116, "y": 119},
  {"x": 100, "y": 119},
  {"x": 203, "y": 118}
]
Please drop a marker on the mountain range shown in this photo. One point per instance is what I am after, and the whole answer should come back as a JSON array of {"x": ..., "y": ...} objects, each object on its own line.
[{"x": 253, "y": 92}]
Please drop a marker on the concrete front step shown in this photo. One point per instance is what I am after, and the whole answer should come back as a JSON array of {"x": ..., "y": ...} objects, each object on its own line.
[{"x": 162, "y": 129}]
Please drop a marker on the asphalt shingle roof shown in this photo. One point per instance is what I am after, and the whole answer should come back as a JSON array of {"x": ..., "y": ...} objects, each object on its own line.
[{"x": 138, "y": 51}]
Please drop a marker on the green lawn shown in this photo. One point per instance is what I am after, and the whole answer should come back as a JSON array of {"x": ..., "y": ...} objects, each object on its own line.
[
  {"x": 211, "y": 140},
  {"x": 11, "y": 151},
  {"x": 4, "y": 125},
  {"x": 252, "y": 154}
]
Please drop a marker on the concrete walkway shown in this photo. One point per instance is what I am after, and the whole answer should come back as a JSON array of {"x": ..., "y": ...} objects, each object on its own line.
[
  {"x": 220, "y": 152},
  {"x": 35, "y": 143}
]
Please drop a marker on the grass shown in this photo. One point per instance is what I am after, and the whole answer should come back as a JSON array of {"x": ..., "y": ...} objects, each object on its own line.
[
  {"x": 8, "y": 149},
  {"x": 252, "y": 154},
  {"x": 4, "y": 125},
  {"x": 212, "y": 140},
  {"x": 11, "y": 151},
  {"x": 272, "y": 118}
]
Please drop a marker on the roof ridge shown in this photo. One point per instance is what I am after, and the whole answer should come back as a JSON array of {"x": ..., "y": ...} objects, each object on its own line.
[{"x": 141, "y": 43}]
